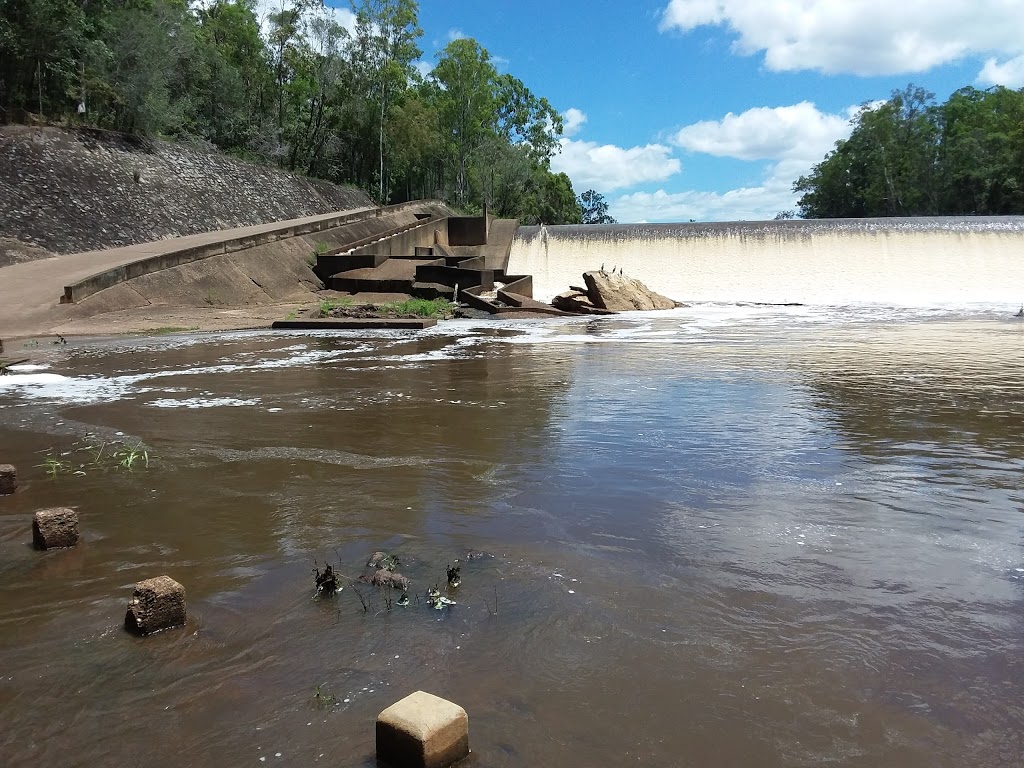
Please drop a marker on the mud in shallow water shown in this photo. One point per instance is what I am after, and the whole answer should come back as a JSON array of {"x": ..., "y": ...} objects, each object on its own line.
[{"x": 722, "y": 536}]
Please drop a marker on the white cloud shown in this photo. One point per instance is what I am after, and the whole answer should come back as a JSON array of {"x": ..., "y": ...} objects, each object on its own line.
[
  {"x": 456, "y": 34},
  {"x": 864, "y": 37},
  {"x": 792, "y": 138},
  {"x": 1009, "y": 73},
  {"x": 744, "y": 204},
  {"x": 344, "y": 17},
  {"x": 572, "y": 120},
  {"x": 797, "y": 132},
  {"x": 423, "y": 67},
  {"x": 608, "y": 167}
]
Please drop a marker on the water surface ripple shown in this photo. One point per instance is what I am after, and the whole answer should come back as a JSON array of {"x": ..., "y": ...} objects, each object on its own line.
[{"x": 721, "y": 535}]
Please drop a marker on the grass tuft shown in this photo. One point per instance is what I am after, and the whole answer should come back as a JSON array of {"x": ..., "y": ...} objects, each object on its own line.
[{"x": 441, "y": 308}]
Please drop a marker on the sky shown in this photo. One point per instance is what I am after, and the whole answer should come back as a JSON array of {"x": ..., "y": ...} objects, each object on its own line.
[{"x": 710, "y": 109}]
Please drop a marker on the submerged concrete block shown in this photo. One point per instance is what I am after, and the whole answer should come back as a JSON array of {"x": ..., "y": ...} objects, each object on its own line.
[
  {"x": 422, "y": 731},
  {"x": 55, "y": 528},
  {"x": 8, "y": 479},
  {"x": 156, "y": 604}
]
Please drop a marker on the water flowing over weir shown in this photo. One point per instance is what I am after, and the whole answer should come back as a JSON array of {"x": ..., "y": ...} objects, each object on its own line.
[{"x": 938, "y": 261}]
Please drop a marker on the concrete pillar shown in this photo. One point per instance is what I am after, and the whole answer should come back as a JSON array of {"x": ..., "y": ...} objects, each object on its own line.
[
  {"x": 422, "y": 731},
  {"x": 55, "y": 528},
  {"x": 157, "y": 604},
  {"x": 8, "y": 479}
]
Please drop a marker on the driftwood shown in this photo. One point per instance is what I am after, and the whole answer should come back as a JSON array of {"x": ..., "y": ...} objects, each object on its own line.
[{"x": 6, "y": 365}]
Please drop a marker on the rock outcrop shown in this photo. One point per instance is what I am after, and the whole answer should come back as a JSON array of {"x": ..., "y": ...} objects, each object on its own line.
[
  {"x": 577, "y": 301},
  {"x": 619, "y": 293},
  {"x": 67, "y": 190},
  {"x": 610, "y": 292}
]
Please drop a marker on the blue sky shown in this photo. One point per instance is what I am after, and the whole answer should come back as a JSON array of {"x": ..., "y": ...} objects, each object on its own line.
[{"x": 710, "y": 109}]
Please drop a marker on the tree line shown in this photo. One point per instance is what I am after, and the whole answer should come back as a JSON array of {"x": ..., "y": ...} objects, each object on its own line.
[
  {"x": 295, "y": 89},
  {"x": 911, "y": 156}
]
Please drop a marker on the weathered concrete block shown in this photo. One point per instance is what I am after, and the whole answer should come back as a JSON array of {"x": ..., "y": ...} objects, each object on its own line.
[
  {"x": 55, "y": 528},
  {"x": 422, "y": 731},
  {"x": 156, "y": 604},
  {"x": 8, "y": 479}
]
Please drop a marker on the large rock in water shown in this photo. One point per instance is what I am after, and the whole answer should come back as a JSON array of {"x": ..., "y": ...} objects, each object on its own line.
[
  {"x": 574, "y": 300},
  {"x": 619, "y": 293}
]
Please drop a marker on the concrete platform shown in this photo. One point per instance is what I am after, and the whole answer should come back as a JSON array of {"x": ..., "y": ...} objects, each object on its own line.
[{"x": 355, "y": 323}]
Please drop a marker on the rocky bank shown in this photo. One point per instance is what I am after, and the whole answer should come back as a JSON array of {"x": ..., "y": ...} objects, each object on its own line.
[{"x": 67, "y": 191}]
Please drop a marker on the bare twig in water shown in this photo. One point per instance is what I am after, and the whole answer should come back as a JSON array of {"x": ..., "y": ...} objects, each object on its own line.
[
  {"x": 366, "y": 608},
  {"x": 495, "y": 611}
]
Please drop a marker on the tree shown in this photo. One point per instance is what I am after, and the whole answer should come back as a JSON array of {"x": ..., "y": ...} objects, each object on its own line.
[
  {"x": 594, "y": 208},
  {"x": 912, "y": 157},
  {"x": 465, "y": 78},
  {"x": 296, "y": 89},
  {"x": 386, "y": 34}
]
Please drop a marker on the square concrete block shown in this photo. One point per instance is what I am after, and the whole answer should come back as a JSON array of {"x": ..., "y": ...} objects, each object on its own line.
[
  {"x": 8, "y": 479},
  {"x": 156, "y": 604},
  {"x": 55, "y": 528},
  {"x": 422, "y": 731}
]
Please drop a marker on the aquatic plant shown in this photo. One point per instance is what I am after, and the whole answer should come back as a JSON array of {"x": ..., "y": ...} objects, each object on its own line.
[
  {"x": 323, "y": 699},
  {"x": 98, "y": 456},
  {"x": 54, "y": 465},
  {"x": 129, "y": 456},
  {"x": 326, "y": 580},
  {"x": 453, "y": 573}
]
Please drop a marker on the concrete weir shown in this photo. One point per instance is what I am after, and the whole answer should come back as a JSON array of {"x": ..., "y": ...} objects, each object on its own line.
[{"x": 902, "y": 262}]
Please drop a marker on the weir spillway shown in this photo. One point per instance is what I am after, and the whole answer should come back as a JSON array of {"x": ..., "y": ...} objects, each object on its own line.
[{"x": 934, "y": 261}]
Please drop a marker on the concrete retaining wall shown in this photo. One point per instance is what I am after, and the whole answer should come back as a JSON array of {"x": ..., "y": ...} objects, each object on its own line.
[{"x": 343, "y": 228}]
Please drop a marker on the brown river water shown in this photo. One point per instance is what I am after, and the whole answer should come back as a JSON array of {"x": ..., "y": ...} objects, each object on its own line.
[{"x": 721, "y": 536}]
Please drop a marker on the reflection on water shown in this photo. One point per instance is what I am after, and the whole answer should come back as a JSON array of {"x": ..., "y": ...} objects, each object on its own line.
[{"x": 722, "y": 536}]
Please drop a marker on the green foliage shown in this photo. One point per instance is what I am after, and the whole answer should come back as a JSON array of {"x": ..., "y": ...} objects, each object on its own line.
[
  {"x": 594, "y": 208},
  {"x": 910, "y": 156},
  {"x": 303, "y": 93}
]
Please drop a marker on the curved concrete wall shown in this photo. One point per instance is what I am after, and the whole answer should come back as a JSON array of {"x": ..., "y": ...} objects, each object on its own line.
[{"x": 901, "y": 262}]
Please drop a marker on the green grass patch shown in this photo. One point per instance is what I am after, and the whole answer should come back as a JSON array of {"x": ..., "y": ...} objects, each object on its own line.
[
  {"x": 326, "y": 305},
  {"x": 441, "y": 308}
]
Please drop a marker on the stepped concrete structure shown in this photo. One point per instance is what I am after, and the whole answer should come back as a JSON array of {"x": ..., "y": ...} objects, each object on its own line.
[
  {"x": 415, "y": 249},
  {"x": 259, "y": 265},
  {"x": 454, "y": 257}
]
